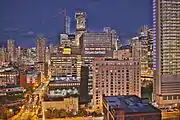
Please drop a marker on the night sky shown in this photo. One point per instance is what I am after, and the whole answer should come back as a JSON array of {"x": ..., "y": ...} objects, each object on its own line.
[{"x": 22, "y": 20}]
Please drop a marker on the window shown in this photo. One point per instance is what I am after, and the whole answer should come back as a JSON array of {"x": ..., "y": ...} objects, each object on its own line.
[{"x": 164, "y": 97}]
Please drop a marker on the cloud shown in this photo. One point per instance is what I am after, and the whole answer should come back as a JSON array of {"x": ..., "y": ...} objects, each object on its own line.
[
  {"x": 29, "y": 33},
  {"x": 10, "y": 29}
]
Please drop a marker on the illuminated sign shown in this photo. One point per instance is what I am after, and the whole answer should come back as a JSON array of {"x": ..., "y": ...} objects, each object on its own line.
[
  {"x": 95, "y": 52},
  {"x": 67, "y": 51}
]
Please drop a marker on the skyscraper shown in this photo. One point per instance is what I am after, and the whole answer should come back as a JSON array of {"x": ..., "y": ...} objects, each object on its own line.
[
  {"x": 115, "y": 37},
  {"x": 95, "y": 44},
  {"x": 146, "y": 39},
  {"x": 67, "y": 24},
  {"x": 166, "y": 46},
  {"x": 41, "y": 49},
  {"x": 2, "y": 56},
  {"x": 11, "y": 50},
  {"x": 80, "y": 25}
]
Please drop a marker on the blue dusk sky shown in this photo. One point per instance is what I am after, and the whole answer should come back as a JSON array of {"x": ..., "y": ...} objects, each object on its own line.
[{"x": 22, "y": 20}]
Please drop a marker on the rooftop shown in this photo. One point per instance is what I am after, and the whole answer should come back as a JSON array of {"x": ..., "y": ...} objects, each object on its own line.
[
  {"x": 130, "y": 104},
  {"x": 125, "y": 47}
]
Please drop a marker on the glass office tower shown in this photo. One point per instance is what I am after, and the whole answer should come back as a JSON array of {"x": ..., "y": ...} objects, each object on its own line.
[{"x": 166, "y": 46}]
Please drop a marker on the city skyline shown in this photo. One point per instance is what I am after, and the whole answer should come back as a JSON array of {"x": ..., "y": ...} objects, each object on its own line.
[
  {"x": 13, "y": 24},
  {"x": 94, "y": 59}
]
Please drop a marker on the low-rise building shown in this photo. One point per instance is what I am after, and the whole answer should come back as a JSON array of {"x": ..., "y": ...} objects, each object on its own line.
[
  {"x": 129, "y": 108},
  {"x": 9, "y": 76},
  {"x": 64, "y": 87},
  {"x": 69, "y": 104}
]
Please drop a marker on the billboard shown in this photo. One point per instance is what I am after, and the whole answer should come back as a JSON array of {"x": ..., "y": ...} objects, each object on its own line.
[{"x": 67, "y": 51}]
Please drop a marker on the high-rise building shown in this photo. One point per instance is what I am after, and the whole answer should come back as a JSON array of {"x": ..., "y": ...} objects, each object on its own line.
[
  {"x": 115, "y": 37},
  {"x": 95, "y": 44},
  {"x": 18, "y": 53},
  {"x": 67, "y": 24},
  {"x": 84, "y": 85},
  {"x": 53, "y": 49},
  {"x": 123, "y": 53},
  {"x": 146, "y": 39},
  {"x": 142, "y": 48},
  {"x": 115, "y": 77},
  {"x": 2, "y": 56},
  {"x": 11, "y": 50},
  {"x": 166, "y": 45},
  {"x": 41, "y": 49},
  {"x": 63, "y": 65},
  {"x": 48, "y": 54},
  {"x": 80, "y": 26},
  {"x": 41, "y": 55},
  {"x": 65, "y": 41}
]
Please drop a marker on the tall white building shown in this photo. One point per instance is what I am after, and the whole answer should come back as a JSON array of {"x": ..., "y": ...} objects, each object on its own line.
[{"x": 166, "y": 45}]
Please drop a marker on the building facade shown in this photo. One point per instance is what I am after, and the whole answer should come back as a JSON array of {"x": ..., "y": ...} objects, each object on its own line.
[
  {"x": 2, "y": 56},
  {"x": 63, "y": 65},
  {"x": 9, "y": 76},
  {"x": 95, "y": 44},
  {"x": 115, "y": 77},
  {"x": 41, "y": 49},
  {"x": 123, "y": 53},
  {"x": 80, "y": 26},
  {"x": 11, "y": 50},
  {"x": 115, "y": 37},
  {"x": 69, "y": 104},
  {"x": 166, "y": 45},
  {"x": 63, "y": 87}
]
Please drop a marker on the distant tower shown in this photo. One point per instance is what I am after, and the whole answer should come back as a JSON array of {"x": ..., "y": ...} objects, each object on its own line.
[
  {"x": 2, "y": 55},
  {"x": 115, "y": 37},
  {"x": 18, "y": 53},
  {"x": 67, "y": 25},
  {"x": 41, "y": 49},
  {"x": 11, "y": 50},
  {"x": 67, "y": 21},
  {"x": 80, "y": 25}
]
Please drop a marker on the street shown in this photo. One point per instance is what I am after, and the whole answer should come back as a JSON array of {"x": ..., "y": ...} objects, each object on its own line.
[
  {"x": 31, "y": 108},
  {"x": 170, "y": 115}
]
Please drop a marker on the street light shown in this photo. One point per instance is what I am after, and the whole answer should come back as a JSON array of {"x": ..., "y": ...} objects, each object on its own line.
[{"x": 10, "y": 110}]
